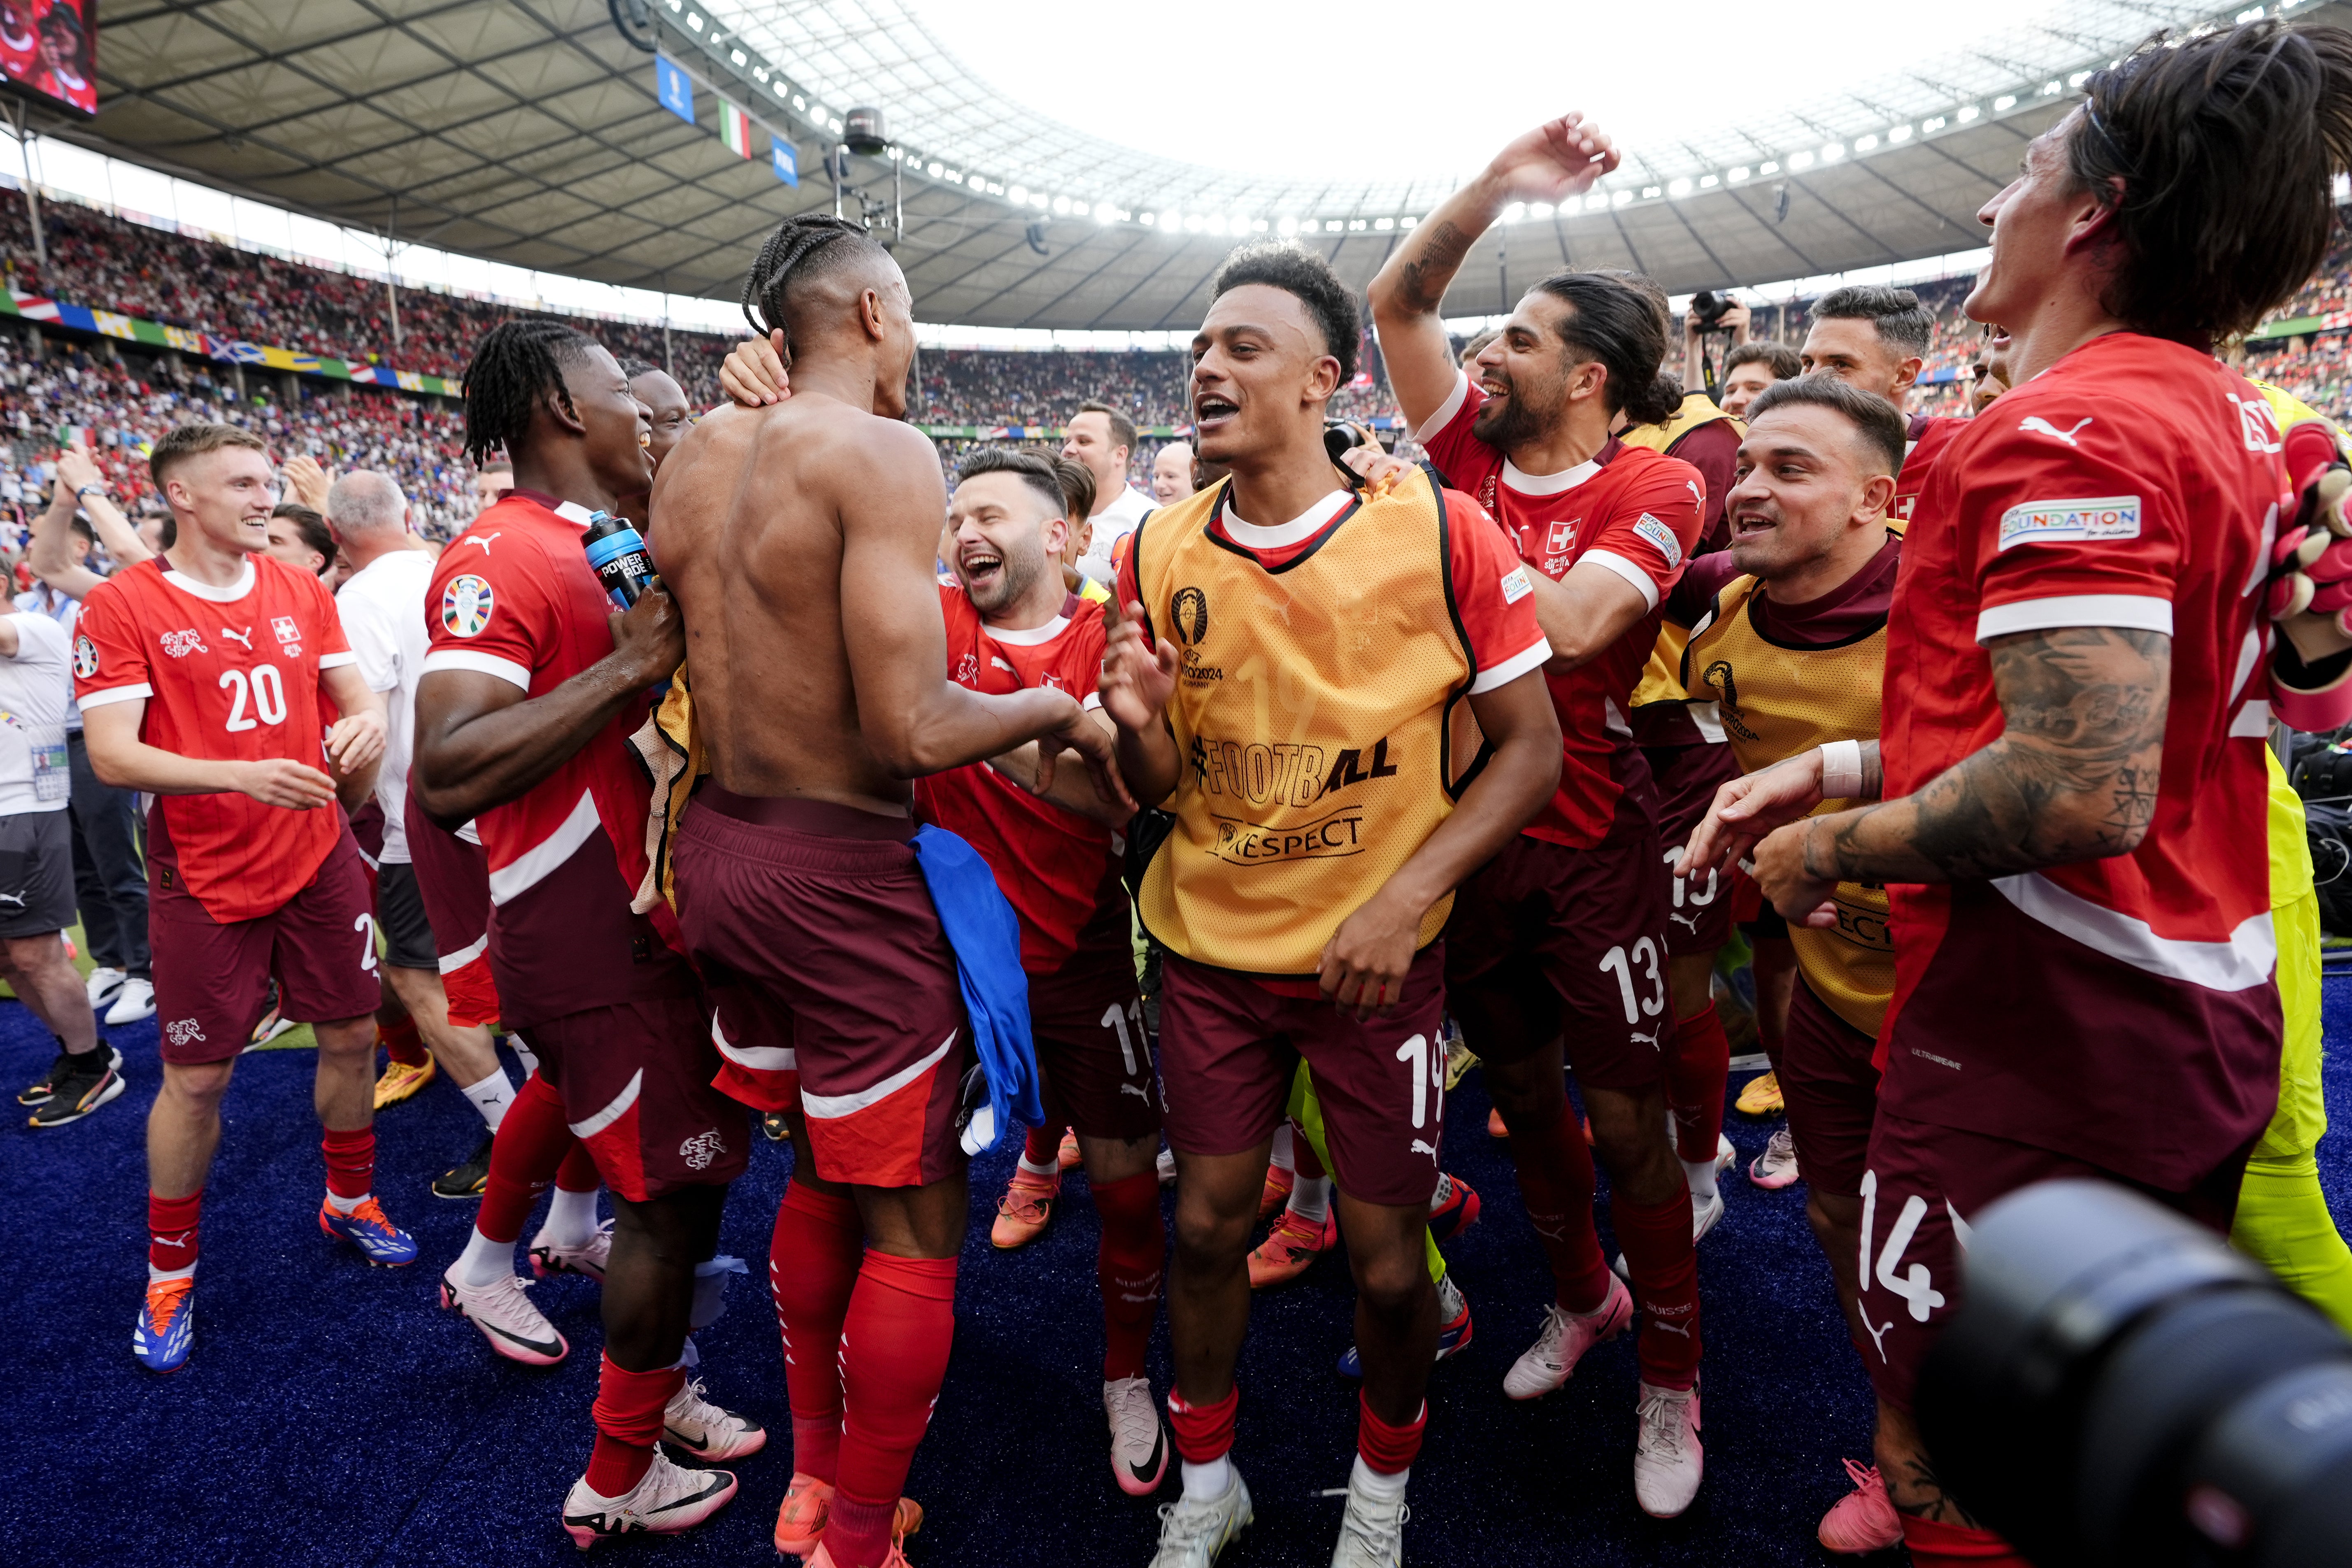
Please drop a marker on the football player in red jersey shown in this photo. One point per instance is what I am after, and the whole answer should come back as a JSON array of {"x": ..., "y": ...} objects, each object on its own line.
[
  {"x": 2071, "y": 811},
  {"x": 1876, "y": 338},
  {"x": 200, "y": 674},
  {"x": 1576, "y": 896},
  {"x": 529, "y": 691},
  {"x": 1013, "y": 623}
]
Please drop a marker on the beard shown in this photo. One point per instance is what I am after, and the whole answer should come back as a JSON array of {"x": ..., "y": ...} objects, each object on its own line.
[
  {"x": 1511, "y": 424},
  {"x": 1013, "y": 580}
]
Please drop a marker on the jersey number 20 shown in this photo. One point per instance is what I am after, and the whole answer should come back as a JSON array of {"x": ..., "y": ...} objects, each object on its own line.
[{"x": 266, "y": 690}]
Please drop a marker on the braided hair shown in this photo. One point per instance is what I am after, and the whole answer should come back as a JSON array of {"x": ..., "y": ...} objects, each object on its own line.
[
  {"x": 513, "y": 367},
  {"x": 797, "y": 240}
]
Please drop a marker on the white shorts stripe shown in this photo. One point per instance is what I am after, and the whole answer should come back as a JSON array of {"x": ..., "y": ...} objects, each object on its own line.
[
  {"x": 452, "y": 962},
  {"x": 831, "y": 1106},
  {"x": 526, "y": 871},
  {"x": 613, "y": 1112},
  {"x": 759, "y": 1058},
  {"x": 2245, "y": 960}
]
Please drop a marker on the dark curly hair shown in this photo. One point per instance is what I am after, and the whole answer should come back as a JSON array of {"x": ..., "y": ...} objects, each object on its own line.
[
  {"x": 805, "y": 247},
  {"x": 516, "y": 364},
  {"x": 1302, "y": 273}
]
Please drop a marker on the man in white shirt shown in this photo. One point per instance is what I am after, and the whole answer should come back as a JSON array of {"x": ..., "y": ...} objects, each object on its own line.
[
  {"x": 1103, "y": 439},
  {"x": 36, "y": 889},
  {"x": 382, "y": 609}
]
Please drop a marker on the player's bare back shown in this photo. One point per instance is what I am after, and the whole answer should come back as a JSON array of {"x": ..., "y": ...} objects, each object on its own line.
[{"x": 758, "y": 509}]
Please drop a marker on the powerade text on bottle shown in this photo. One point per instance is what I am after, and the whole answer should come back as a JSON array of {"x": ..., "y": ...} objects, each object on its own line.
[{"x": 617, "y": 552}]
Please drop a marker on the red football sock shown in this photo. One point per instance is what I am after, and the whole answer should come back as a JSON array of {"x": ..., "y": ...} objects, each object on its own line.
[
  {"x": 172, "y": 1231},
  {"x": 1044, "y": 1147},
  {"x": 578, "y": 1174},
  {"x": 529, "y": 1145},
  {"x": 402, "y": 1042},
  {"x": 1304, "y": 1164},
  {"x": 628, "y": 1413},
  {"x": 1695, "y": 1073},
  {"x": 351, "y": 1161},
  {"x": 1664, "y": 1265},
  {"x": 812, "y": 1258},
  {"x": 893, "y": 1356},
  {"x": 1204, "y": 1432},
  {"x": 1134, "y": 1249},
  {"x": 1388, "y": 1450},
  {"x": 1935, "y": 1545},
  {"x": 1556, "y": 1183}
]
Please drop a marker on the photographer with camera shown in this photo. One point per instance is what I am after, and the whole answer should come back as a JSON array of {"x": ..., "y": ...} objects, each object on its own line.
[{"x": 2069, "y": 810}]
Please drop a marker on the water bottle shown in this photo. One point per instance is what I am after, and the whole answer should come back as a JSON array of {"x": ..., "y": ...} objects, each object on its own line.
[{"x": 617, "y": 552}]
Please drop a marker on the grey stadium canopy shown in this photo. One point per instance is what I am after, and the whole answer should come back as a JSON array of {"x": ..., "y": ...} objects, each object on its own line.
[{"x": 527, "y": 131}]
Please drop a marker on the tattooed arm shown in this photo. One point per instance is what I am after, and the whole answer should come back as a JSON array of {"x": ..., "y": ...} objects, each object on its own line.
[
  {"x": 2074, "y": 777},
  {"x": 1555, "y": 160}
]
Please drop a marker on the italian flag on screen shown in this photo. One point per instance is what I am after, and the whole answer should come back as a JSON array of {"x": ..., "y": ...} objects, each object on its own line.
[{"x": 734, "y": 128}]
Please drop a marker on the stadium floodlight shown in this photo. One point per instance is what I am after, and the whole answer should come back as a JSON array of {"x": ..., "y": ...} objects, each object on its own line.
[
  {"x": 1935, "y": 122},
  {"x": 1968, "y": 112},
  {"x": 1621, "y": 198},
  {"x": 1534, "y": 210},
  {"x": 1017, "y": 195},
  {"x": 1061, "y": 207},
  {"x": 1385, "y": 223},
  {"x": 799, "y": 102},
  {"x": 1147, "y": 220},
  {"x": 1801, "y": 159},
  {"x": 1037, "y": 200},
  {"x": 2252, "y": 14},
  {"x": 1241, "y": 222},
  {"x": 2006, "y": 100},
  {"x": 739, "y": 56},
  {"x": 759, "y": 73},
  {"x": 1865, "y": 144},
  {"x": 1708, "y": 182},
  {"x": 1739, "y": 174},
  {"x": 1651, "y": 193},
  {"x": 1215, "y": 222},
  {"x": 933, "y": 170},
  {"x": 1105, "y": 213},
  {"x": 1194, "y": 223},
  {"x": 694, "y": 20},
  {"x": 1289, "y": 226},
  {"x": 1900, "y": 133},
  {"x": 1411, "y": 221},
  {"x": 1515, "y": 211},
  {"x": 1678, "y": 187},
  {"x": 1334, "y": 225}
]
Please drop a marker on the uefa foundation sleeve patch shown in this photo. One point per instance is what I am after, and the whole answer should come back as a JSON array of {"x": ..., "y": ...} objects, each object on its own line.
[
  {"x": 466, "y": 605},
  {"x": 1515, "y": 586},
  {"x": 2041, "y": 522},
  {"x": 1659, "y": 535}
]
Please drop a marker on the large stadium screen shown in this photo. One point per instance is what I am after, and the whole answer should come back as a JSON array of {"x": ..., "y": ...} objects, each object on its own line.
[{"x": 49, "y": 49}]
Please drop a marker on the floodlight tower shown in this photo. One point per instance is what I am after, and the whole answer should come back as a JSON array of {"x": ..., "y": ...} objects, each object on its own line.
[{"x": 863, "y": 135}]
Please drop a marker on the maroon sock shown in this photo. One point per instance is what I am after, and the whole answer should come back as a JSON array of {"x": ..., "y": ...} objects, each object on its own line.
[
  {"x": 1044, "y": 1147},
  {"x": 1386, "y": 1448},
  {"x": 1556, "y": 1179},
  {"x": 172, "y": 1231},
  {"x": 628, "y": 1413},
  {"x": 1134, "y": 1249},
  {"x": 813, "y": 1258},
  {"x": 893, "y": 1356},
  {"x": 351, "y": 1161},
  {"x": 1204, "y": 1432},
  {"x": 525, "y": 1152},
  {"x": 1303, "y": 1162},
  {"x": 1665, "y": 1268},
  {"x": 1695, "y": 1073},
  {"x": 578, "y": 1174},
  {"x": 401, "y": 1041}
]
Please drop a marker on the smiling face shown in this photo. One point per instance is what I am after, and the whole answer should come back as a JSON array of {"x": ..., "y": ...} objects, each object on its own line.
[
  {"x": 664, "y": 404},
  {"x": 1171, "y": 473},
  {"x": 1741, "y": 388},
  {"x": 1261, "y": 375},
  {"x": 1803, "y": 474},
  {"x": 2037, "y": 220},
  {"x": 618, "y": 429},
  {"x": 1529, "y": 375},
  {"x": 1002, "y": 535},
  {"x": 225, "y": 495}
]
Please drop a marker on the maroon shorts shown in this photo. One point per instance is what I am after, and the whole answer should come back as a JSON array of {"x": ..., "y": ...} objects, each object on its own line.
[
  {"x": 211, "y": 978},
  {"x": 636, "y": 1081},
  {"x": 1698, "y": 907},
  {"x": 1086, "y": 1019},
  {"x": 835, "y": 986},
  {"x": 454, "y": 877},
  {"x": 1548, "y": 943},
  {"x": 1832, "y": 1091},
  {"x": 1924, "y": 1181},
  {"x": 1229, "y": 1048}
]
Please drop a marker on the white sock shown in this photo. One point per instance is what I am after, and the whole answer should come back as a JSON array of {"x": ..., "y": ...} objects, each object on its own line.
[
  {"x": 491, "y": 1097},
  {"x": 1371, "y": 1483},
  {"x": 1206, "y": 1483},
  {"x": 1700, "y": 1176},
  {"x": 571, "y": 1218},
  {"x": 523, "y": 1054},
  {"x": 1310, "y": 1198},
  {"x": 154, "y": 1274},
  {"x": 484, "y": 1260},
  {"x": 346, "y": 1205},
  {"x": 1282, "y": 1159},
  {"x": 1050, "y": 1170}
]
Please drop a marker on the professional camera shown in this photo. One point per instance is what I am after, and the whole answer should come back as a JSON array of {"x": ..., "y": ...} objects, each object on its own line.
[
  {"x": 1708, "y": 307},
  {"x": 1341, "y": 436},
  {"x": 2121, "y": 1388}
]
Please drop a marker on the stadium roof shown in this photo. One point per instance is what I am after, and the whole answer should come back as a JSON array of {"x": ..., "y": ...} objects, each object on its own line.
[{"x": 528, "y": 132}]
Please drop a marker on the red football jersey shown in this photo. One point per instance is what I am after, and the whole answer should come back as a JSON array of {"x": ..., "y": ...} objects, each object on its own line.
[
  {"x": 1634, "y": 510},
  {"x": 1929, "y": 434},
  {"x": 1059, "y": 870},
  {"x": 2120, "y": 1009},
  {"x": 513, "y": 596},
  {"x": 228, "y": 675}
]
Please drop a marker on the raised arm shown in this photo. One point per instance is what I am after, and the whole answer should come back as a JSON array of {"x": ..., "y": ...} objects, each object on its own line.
[
  {"x": 1560, "y": 158},
  {"x": 481, "y": 739},
  {"x": 1363, "y": 966},
  {"x": 51, "y": 551},
  {"x": 2073, "y": 778},
  {"x": 915, "y": 719}
]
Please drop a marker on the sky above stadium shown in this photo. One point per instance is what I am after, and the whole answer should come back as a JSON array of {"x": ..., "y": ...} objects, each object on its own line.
[{"x": 1186, "y": 84}]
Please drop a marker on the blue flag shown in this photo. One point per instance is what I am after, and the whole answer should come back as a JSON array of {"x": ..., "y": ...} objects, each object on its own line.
[
  {"x": 787, "y": 163},
  {"x": 673, "y": 88}
]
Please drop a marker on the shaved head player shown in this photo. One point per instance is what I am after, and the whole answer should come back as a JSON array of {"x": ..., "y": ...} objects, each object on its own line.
[{"x": 801, "y": 537}]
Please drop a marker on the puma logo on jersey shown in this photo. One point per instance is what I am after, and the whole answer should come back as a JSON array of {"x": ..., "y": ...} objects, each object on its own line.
[
  {"x": 1000, "y": 664},
  {"x": 1130, "y": 1088},
  {"x": 16, "y": 899},
  {"x": 1422, "y": 1146},
  {"x": 1650, "y": 1039},
  {"x": 181, "y": 643},
  {"x": 244, "y": 637},
  {"x": 481, "y": 539},
  {"x": 2033, "y": 423},
  {"x": 1690, "y": 921}
]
